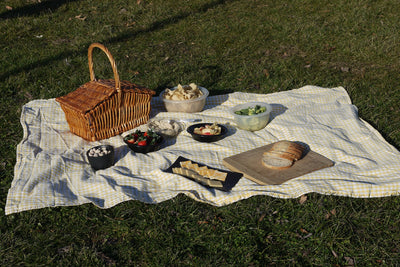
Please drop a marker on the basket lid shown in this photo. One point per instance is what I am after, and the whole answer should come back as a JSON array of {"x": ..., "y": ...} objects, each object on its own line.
[{"x": 93, "y": 93}]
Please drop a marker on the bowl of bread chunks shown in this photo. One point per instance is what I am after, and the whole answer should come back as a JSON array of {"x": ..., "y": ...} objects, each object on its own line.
[{"x": 282, "y": 155}]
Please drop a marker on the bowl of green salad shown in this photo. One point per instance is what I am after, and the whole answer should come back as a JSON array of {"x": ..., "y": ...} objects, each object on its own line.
[{"x": 252, "y": 116}]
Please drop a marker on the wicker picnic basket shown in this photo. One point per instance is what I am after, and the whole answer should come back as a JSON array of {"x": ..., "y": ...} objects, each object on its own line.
[{"x": 101, "y": 109}]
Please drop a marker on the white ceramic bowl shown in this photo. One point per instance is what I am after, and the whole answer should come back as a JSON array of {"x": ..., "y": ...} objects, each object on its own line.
[
  {"x": 188, "y": 106},
  {"x": 251, "y": 122}
]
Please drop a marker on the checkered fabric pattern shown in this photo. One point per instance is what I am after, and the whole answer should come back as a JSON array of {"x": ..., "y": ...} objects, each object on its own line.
[{"x": 52, "y": 168}]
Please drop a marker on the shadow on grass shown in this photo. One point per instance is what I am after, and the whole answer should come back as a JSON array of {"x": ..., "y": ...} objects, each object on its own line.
[
  {"x": 157, "y": 25},
  {"x": 34, "y": 9}
]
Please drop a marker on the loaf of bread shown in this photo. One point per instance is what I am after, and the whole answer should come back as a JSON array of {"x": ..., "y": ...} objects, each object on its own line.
[{"x": 282, "y": 155}]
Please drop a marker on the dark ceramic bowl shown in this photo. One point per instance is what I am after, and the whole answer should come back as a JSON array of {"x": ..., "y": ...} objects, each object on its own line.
[
  {"x": 145, "y": 149},
  {"x": 102, "y": 158},
  {"x": 207, "y": 138}
]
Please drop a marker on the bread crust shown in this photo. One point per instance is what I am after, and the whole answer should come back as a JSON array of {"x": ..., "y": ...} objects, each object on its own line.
[
  {"x": 288, "y": 147},
  {"x": 284, "y": 144}
]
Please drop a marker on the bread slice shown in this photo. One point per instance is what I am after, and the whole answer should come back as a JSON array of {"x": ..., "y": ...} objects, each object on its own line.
[
  {"x": 282, "y": 155},
  {"x": 275, "y": 161}
]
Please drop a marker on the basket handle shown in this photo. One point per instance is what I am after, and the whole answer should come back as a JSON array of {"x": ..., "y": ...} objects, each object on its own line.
[{"x": 110, "y": 58}]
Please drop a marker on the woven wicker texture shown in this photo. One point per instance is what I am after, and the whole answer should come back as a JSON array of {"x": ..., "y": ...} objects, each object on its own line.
[{"x": 101, "y": 109}]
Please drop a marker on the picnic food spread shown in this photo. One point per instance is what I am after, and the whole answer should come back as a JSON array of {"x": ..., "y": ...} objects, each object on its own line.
[
  {"x": 363, "y": 163},
  {"x": 103, "y": 113},
  {"x": 281, "y": 156},
  {"x": 111, "y": 111}
]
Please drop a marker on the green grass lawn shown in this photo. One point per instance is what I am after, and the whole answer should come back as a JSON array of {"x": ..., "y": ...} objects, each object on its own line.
[{"x": 225, "y": 46}]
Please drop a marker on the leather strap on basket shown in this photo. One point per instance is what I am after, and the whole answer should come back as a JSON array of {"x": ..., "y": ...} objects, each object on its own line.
[{"x": 110, "y": 58}]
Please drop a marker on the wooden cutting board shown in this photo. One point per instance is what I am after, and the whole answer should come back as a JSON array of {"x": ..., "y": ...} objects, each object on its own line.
[{"x": 249, "y": 163}]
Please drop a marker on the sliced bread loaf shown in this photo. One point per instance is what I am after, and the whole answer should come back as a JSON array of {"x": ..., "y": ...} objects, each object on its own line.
[
  {"x": 288, "y": 147},
  {"x": 282, "y": 155}
]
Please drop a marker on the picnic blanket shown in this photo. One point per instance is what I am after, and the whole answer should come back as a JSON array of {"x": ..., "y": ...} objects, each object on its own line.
[{"x": 52, "y": 169}]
